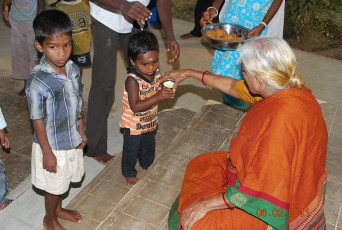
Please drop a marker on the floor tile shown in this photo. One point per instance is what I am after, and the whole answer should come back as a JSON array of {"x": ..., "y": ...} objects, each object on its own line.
[
  {"x": 328, "y": 110},
  {"x": 17, "y": 169},
  {"x": 167, "y": 131},
  {"x": 185, "y": 150},
  {"x": 164, "y": 176},
  {"x": 334, "y": 155},
  {"x": 219, "y": 132},
  {"x": 330, "y": 227},
  {"x": 201, "y": 141},
  {"x": 115, "y": 175},
  {"x": 173, "y": 162},
  {"x": 335, "y": 139},
  {"x": 146, "y": 210},
  {"x": 331, "y": 210},
  {"x": 337, "y": 125},
  {"x": 333, "y": 191},
  {"x": 181, "y": 112},
  {"x": 86, "y": 224},
  {"x": 159, "y": 193},
  {"x": 170, "y": 119},
  {"x": 19, "y": 135},
  {"x": 110, "y": 191},
  {"x": 334, "y": 172},
  {"x": 95, "y": 208},
  {"x": 219, "y": 120},
  {"x": 226, "y": 110},
  {"x": 125, "y": 222}
]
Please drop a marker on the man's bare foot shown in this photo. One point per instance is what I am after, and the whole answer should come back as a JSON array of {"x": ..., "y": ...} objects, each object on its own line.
[
  {"x": 104, "y": 158},
  {"x": 22, "y": 93},
  {"x": 187, "y": 36},
  {"x": 67, "y": 214},
  {"x": 52, "y": 224},
  {"x": 131, "y": 180}
]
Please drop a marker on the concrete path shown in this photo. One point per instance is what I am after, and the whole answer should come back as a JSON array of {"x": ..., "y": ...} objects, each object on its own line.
[{"x": 323, "y": 76}]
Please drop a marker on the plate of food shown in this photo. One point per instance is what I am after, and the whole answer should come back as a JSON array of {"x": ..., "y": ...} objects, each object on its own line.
[{"x": 225, "y": 36}]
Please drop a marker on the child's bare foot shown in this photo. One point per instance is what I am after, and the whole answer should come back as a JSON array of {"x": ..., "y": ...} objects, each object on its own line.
[
  {"x": 52, "y": 224},
  {"x": 70, "y": 215},
  {"x": 131, "y": 180},
  {"x": 104, "y": 158}
]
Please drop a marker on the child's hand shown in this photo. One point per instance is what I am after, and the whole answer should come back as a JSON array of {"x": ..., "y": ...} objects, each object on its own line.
[
  {"x": 50, "y": 162},
  {"x": 4, "y": 139},
  {"x": 165, "y": 93},
  {"x": 5, "y": 12}
]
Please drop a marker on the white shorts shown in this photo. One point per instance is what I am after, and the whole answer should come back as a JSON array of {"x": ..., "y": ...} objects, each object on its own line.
[{"x": 70, "y": 168}]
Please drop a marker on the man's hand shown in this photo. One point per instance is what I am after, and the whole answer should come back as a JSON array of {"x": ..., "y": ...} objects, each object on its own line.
[
  {"x": 50, "y": 162},
  {"x": 4, "y": 139},
  {"x": 136, "y": 10},
  {"x": 173, "y": 47}
]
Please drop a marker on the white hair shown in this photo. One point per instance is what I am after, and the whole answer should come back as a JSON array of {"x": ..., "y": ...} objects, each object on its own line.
[{"x": 273, "y": 60}]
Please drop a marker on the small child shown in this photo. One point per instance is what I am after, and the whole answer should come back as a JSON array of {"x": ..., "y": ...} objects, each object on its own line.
[
  {"x": 53, "y": 92},
  {"x": 21, "y": 17},
  {"x": 79, "y": 13},
  {"x": 3, "y": 181},
  {"x": 142, "y": 92}
]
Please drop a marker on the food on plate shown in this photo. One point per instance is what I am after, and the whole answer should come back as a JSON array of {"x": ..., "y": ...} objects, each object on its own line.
[{"x": 220, "y": 34}]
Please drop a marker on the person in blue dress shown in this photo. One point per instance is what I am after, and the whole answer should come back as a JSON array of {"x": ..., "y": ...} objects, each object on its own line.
[{"x": 252, "y": 14}]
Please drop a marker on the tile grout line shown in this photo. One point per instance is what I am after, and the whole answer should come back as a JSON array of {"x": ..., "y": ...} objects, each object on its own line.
[{"x": 338, "y": 217}]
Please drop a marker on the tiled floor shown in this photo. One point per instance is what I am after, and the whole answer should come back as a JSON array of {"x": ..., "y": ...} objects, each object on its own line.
[{"x": 107, "y": 203}]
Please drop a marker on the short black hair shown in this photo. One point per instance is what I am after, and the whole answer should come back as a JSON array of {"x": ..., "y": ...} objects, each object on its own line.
[
  {"x": 141, "y": 43},
  {"x": 51, "y": 23}
]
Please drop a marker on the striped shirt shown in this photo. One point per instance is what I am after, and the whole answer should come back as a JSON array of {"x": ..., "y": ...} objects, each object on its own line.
[
  {"x": 145, "y": 121},
  {"x": 56, "y": 99}
]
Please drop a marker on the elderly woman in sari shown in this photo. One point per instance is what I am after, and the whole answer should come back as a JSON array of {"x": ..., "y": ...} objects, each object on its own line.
[{"x": 274, "y": 174}]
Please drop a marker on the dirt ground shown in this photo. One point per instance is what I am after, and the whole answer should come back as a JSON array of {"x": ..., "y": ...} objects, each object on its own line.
[{"x": 317, "y": 43}]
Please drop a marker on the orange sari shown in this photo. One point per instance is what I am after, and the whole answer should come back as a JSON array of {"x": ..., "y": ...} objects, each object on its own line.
[{"x": 279, "y": 171}]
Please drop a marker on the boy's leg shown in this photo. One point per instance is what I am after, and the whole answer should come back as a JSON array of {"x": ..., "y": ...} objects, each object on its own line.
[
  {"x": 50, "y": 220},
  {"x": 129, "y": 157},
  {"x": 147, "y": 151},
  {"x": 67, "y": 214}
]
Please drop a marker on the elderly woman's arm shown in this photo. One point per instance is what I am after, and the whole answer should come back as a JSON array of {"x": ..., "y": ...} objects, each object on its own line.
[
  {"x": 221, "y": 83},
  {"x": 199, "y": 209}
]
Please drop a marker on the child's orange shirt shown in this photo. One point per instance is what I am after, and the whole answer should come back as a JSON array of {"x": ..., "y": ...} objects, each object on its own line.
[{"x": 145, "y": 121}]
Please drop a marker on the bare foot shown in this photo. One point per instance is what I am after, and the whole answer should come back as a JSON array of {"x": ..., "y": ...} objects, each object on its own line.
[
  {"x": 70, "y": 215},
  {"x": 131, "y": 180},
  {"x": 52, "y": 224},
  {"x": 187, "y": 36},
  {"x": 22, "y": 93},
  {"x": 104, "y": 158}
]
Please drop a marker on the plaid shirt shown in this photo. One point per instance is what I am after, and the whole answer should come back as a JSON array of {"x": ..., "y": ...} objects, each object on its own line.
[{"x": 56, "y": 99}]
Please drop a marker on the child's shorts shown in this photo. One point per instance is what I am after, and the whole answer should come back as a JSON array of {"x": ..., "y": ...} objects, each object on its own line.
[
  {"x": 70, "y": 168},
  {"x": 82, "y": 60}
]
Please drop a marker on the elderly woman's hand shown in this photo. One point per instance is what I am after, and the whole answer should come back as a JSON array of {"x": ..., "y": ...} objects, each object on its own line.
[
  {"x": 194, "y": 213},
  {"x": 177, "y": 75}
]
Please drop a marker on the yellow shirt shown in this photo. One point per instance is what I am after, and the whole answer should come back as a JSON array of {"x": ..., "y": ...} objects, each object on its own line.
[{"x": 79, "y": 14}]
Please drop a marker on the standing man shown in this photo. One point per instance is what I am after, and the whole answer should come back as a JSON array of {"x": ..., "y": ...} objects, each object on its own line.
[{"x": 112, "y": 23}]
